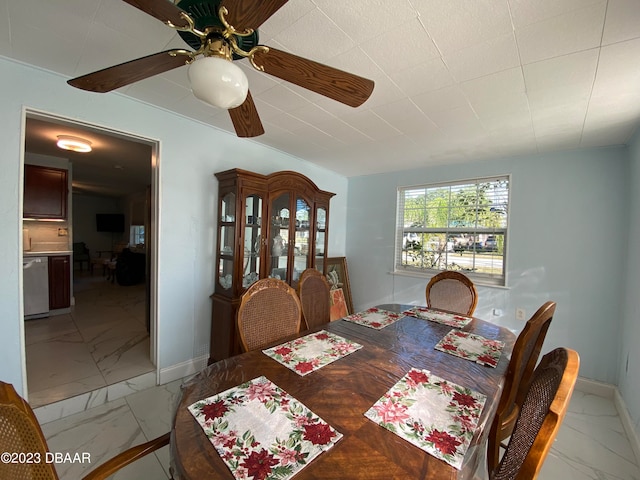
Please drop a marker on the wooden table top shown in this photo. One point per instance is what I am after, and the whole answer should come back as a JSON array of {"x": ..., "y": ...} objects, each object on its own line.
[{"x": 341, "y": 392}]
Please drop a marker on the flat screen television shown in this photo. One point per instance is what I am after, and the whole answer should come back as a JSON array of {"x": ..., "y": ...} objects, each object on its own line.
[{"x": 110, "y": 222}]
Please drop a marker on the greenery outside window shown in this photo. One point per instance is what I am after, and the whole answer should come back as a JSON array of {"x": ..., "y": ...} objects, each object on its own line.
[{"x": 454, "y": 226}]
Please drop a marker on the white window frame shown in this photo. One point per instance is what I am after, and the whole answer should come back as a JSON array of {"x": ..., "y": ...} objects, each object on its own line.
[
  {"x": 134, "y": 234},
  {"x": 447, "y": 259}
]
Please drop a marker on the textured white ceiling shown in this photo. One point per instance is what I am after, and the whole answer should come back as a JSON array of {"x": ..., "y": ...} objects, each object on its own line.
[{"x": 456, "y": 80}]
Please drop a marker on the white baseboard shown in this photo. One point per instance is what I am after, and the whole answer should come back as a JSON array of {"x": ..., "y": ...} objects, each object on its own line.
[
  {"x": 611, "y": 391},
  {"x": 593, "y": 387},
  {"x": 184, "y": 369}
]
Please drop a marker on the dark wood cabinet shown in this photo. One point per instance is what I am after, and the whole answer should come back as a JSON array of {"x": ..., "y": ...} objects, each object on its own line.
[
  {"x": 268, "y": 226},
  {"x": 45, "y": 192},
  {"x": 59, "y": 282}
]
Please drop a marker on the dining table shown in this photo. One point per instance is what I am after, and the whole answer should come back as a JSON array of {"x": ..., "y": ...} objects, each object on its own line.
[{"x": 342, "y": 391}]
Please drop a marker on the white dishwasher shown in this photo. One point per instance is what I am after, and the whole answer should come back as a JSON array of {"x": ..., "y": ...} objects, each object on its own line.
[{"x": 35, "y": 280}]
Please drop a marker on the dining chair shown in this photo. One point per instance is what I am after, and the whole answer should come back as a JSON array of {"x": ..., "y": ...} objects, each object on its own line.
[
  {"x": 524, "y": 357},
  {"x": 20, "y": 433},
  {"x": 541, "y": 415},
  {"x": 313, "y": 292},
  {"x": 452, "y": 291},
  {"x": 81, "y": 254},
  {"x": 269, "y": 310}
]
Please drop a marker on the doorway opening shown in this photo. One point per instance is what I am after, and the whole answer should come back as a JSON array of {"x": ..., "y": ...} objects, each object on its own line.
[{"x": 107, "y": 331}]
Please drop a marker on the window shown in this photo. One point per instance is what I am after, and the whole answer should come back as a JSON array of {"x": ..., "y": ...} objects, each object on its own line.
[
  {"x": 137, "y": 235},
  {"x": 455, "y": 226}
]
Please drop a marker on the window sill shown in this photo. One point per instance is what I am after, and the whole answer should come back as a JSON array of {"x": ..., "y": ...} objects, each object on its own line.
[{"x": 428, "y": 275}]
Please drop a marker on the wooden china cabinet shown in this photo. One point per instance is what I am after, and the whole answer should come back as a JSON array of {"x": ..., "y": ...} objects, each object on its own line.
[{"x": 268, "y": 226}]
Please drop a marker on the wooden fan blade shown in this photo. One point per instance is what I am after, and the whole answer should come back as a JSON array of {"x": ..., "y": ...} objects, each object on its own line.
[
  {"x": 246, "y": 120},
  {"x": 127, "y": 73},
  {"x": 244, "y": 14},
  {"x": 341, "y": 86},
  {"x": 163, "y": 10}
]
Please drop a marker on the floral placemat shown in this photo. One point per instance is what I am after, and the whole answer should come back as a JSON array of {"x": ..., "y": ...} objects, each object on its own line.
[
  {"x": 453, "y": 320},
  {"x": 374, "y": 317},
  {"x": 472, "y": 347},
  {"x": 262, "y": 432},
  {"x": 311, "y": 352},
  {"x": 433, "y": 414}
]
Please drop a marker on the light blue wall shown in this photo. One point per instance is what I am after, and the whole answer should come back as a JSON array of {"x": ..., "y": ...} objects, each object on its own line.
[
  {"x": 567, "y": 242},
  {"x": 570, "y": 226},
  {"x": 190, "y": 153},
  {"x": 630, "y": 377}
]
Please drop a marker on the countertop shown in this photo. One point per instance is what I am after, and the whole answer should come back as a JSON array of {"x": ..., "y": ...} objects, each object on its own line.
[{"x": 47, "y": 253}]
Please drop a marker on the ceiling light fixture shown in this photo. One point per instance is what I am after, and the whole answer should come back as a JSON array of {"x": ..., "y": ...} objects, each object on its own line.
[
  {"x": 214, "y": 78},
  {"x": 75, "y": 144}
]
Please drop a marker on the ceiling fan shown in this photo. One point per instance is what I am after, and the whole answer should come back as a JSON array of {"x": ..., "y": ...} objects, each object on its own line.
[{"x": 221, "y": 31}]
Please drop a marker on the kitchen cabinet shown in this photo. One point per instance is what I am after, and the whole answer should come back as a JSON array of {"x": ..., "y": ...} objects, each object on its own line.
[
  {"x": 59, "y": 282},
  {"x": 45, "y": 192},
  {"x": 268, "y": 226}
]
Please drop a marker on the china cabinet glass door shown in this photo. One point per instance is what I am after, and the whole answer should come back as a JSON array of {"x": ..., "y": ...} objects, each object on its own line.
[
  {"x": 321, "y": 236},
  {"x": 252, "y": 240},
  {"x": 279, "y": 237},
  {"x": 301, "y": 244},
  {"x": 226, "y": 240}
]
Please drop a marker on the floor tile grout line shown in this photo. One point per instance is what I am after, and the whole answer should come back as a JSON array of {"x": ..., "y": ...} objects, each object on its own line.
[{"x": 122, "y": 297}]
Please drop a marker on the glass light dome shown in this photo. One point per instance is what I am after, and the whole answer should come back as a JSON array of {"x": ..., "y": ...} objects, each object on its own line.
[{"x": 218, "y": 82}]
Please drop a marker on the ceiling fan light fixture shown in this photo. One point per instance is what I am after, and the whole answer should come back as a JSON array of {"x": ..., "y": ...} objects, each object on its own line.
[
  {"x": 75, "y": 144},
  {"x": 218, "y": 82}
]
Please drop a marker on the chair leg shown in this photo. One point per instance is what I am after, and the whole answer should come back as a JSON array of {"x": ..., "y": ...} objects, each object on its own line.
[
  {"x": 500, "y": 431},
  {"x": 493, "y": 450}
]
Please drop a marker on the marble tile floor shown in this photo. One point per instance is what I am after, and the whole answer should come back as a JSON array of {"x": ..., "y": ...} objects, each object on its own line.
[
  {"x": 110, "y": 428},
  {"x": 591, "y": 445},
  {"x": 102, "y": 341}
]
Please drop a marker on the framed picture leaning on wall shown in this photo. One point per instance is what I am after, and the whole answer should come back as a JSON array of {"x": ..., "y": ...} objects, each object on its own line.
[{"x": 338, "y": 277}]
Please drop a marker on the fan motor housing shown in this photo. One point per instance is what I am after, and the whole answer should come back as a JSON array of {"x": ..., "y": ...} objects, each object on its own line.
[{"x": 205, "y": 14}]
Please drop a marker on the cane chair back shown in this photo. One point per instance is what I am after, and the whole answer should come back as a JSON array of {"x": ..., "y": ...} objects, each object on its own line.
[
  {"x": 20, "y": 432},
  {"x": 313, "y": 291},
  {"x": 269, "y": 310},
  {"x": 452, "y": 291},
  {"x": 524, "y": 357},
  {"x": 541, "y": 415}
]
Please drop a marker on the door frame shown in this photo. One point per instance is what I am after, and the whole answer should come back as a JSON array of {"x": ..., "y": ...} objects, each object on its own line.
[{"x": 153, "y": 233}]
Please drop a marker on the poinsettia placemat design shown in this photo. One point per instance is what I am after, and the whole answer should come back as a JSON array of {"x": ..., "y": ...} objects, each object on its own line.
[
  {"x": 472, "y": 347},
  {"x": 436, "y": 415},
  {"x": 311, "y": 352},
  {"x": 374, "y": 317},
  {"x": 262, "y": 432},
  {"x": 451, "y": 319}
]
